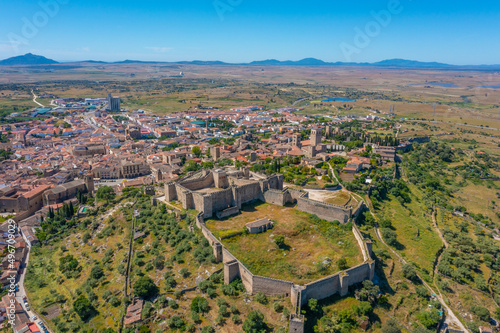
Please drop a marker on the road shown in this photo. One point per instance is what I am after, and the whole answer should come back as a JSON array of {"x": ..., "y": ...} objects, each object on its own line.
[
  {"x": 22, "y": 293},
  {"x": 34, "y": 99}
]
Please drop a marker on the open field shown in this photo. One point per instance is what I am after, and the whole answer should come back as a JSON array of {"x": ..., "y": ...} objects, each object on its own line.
[
  {"x": 149, "y": 86},
  {"x": 312, "y": 249}
]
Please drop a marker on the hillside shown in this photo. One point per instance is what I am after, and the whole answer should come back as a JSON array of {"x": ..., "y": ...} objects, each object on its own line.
[{"x": 27, "y": 59}]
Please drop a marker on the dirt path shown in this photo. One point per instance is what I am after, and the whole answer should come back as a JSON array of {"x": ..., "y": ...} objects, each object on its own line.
[
  {"x": 434, "y": 223},
  {"x": 451, "y": 318},
  {"x": 34, "y": 99}
]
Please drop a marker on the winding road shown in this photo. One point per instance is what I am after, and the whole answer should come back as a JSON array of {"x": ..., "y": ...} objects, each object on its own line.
[{"x": 34, "y": 99}]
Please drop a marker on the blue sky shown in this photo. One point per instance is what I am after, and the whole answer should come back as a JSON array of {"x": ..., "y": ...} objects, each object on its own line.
[{"x": 456, "y": 32}]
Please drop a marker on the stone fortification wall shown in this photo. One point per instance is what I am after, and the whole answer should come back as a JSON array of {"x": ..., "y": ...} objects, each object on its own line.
[
  {"x": 247, "y": 193},
  {"x": 271, "y": 287},
  {"x": 185, "y": 196},
  {"x": 199, "y": 183},
  {"x": 324, "y": 211},
  {"x": 222, "y": 199},
  {"x": 275, "y": 197},
  {"x": 227, "y": 212}
]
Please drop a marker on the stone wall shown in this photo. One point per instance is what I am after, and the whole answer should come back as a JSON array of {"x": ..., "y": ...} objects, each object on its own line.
[
  {"x": 322, "y": 288},
  {"x": 227, "y": 212},
  {"x": 275, "y": 197},
  {"x": 324, "y": 211},
  {"x": 247, "y": 193},
  {"x": 198, "y": 184},
  {"x": 271, "y": 287},
  {"x": 222, "y": 200}
]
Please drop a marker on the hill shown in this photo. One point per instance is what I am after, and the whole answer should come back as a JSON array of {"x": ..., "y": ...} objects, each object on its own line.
[{"x": 27, "y": 59}]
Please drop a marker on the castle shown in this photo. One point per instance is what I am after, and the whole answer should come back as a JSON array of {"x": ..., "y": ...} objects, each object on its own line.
[{"x": 223, "y": 192}]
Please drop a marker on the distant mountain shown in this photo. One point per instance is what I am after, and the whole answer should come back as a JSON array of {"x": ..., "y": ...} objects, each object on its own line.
[
  {"x": 303, "y": 62},
  {"x": 410, "y": 63},
  {"x": 31, "y": 59},
  {"x": 27, "y": 59}
]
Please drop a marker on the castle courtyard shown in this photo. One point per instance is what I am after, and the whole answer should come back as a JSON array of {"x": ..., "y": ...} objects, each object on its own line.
[{"x": 311, "y": 250}]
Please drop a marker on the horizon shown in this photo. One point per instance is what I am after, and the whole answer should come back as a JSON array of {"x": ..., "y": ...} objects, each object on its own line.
[
  {"x": 238, "y": 31},
  {"x": 250, "y": 62}
]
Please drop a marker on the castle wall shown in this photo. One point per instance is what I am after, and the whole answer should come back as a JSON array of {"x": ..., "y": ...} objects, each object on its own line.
[
  {"x": 222, "y": 199},
  {"x": 184, "y": 196},
  {"x": 360, "y": 208},
  {"x": 170, "y": 192},
  {"x": 276, "y": 182},
  {"x": 198, "y": 184},
  {"x": 271, "y": 287},
  {"x": 247, "y": 193},
  {"x": 323, "y": 210},
  {"x": 231, "y": 271},
  {"x": 322, "y": 288},
  {"x": 275, "y": 197},
  {"x": 227, "y": 212}
]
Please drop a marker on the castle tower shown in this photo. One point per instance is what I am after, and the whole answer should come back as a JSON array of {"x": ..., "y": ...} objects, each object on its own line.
[
  {"x": 89, "y": 183},
  {"x": 316, "y": 137},
  {"x": 328, "y": 131},
  {"x": 296, "y": 140},
  {"x": 215, "y": 153}
]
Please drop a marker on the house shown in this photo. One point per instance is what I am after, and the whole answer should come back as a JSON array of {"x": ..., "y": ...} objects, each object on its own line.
[
  {"x": 134, "y": 310},
  {"x": 259, "y": 226}
]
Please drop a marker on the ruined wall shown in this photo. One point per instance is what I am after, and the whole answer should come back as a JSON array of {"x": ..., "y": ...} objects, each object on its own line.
[
  {"x": 359, "y": 273},
  {"x": 227, "y": 212},
  {"x": 197, "y": 184},
  {"x": 323, "y": 210},
  {"x": 296, "y": 195}
]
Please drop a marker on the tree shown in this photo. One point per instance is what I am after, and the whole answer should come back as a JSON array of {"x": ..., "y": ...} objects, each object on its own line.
[
  {"x": 279, "y": 240},
  {"x": 261, "y": 298},
  {"x": 342, "y": 264},
  {"x": 96, "y": 272},
  {"x": 105, "y": 193},
  {"x": 84, "y": 308},
  {"x": 197, "y": 151},
  {"x": 482, "y": 312},
  {"x": 390, "y": 237},
  {"x": 255, "y": 323},
  {"x": 391, "y": 326},
  {"x": 145, "y": 287},
  {"x": 410, "y": 274},
  {"x": 312, "y": 303},
  {"x": 199, "y": 305}
]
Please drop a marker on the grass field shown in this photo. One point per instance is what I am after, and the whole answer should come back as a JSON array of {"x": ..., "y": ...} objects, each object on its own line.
[
  {"x": 413, "y": 224},
  {"x": 312, "y": 249}
]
